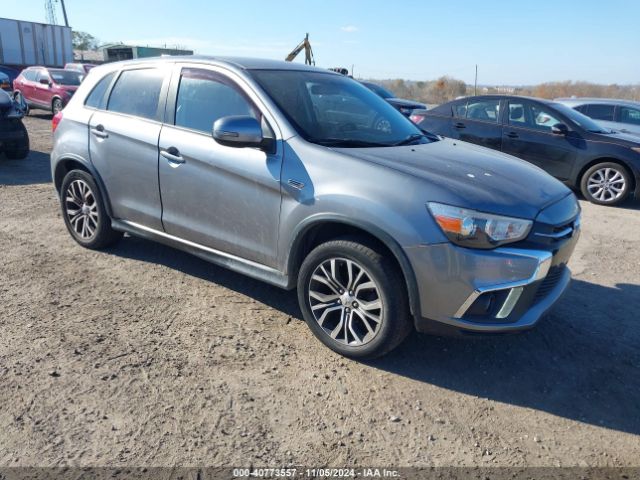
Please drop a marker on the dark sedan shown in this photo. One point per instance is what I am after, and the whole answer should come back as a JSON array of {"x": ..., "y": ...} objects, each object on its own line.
[
  {"x": 406, "y": 107},
  {"x": 604, "y": 165},
  {"x": 10, "y": 73}
]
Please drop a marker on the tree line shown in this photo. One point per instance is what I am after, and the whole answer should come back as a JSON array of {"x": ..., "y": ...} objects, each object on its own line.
[{"x": 447, "y": 88}]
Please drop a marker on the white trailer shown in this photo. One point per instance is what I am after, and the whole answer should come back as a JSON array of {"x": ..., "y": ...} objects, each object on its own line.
[{"x": 27, "y": 43}]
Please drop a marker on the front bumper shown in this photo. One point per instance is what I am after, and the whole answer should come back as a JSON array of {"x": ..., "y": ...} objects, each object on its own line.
[{"x": 493, "y": 291}]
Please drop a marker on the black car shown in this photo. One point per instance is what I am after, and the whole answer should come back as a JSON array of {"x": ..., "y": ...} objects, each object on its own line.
[
  {"x": 14, "y": 139},
  {"x": 406, "y": 107},
  {"x": 11, "y": 74},
  {"x": 604, "y": 165}
]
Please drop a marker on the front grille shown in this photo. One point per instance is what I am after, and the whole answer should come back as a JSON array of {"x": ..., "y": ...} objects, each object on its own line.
[{"x": 548, "y": 283}]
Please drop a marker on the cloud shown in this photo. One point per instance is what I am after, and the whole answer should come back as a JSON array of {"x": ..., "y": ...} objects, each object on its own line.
[{"x": 349, "y": 28}]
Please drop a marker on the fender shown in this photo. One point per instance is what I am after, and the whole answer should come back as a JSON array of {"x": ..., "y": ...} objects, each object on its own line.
[{"x": 370, "y": 228}]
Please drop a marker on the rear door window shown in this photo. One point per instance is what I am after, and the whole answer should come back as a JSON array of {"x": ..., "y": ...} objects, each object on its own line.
[
  {"x": 137, "y": 93},
  {"x": 599, "y": 111},
  {"x": 460, "y": 110},
  {"x": 484, "y": 110}
]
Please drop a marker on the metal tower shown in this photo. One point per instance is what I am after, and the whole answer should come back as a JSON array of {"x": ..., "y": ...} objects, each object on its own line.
[{"x": 51, "y": 12}]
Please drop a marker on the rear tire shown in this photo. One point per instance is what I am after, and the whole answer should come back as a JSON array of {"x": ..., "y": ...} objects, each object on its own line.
[
  {"x": 84, "y": 212},
  {"x": 363, "y": 314},
  {"x": 606, "y": 183},
  {"x": 56, "y": 106}
]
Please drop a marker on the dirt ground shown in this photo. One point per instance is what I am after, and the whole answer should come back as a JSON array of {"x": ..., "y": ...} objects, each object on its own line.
[{"x": 142, "y": 355}]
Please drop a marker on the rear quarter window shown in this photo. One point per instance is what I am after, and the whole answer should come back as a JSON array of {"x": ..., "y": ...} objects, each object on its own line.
[
  {"x": 137, "y": 93},
  {"x": 97, "y": 97}
]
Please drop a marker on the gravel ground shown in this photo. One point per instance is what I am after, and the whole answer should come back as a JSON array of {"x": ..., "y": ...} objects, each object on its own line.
[{"x": 143, "y": 355}]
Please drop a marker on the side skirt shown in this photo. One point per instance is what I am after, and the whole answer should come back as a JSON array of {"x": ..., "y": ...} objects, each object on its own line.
[{"x": 226, "y": 260}]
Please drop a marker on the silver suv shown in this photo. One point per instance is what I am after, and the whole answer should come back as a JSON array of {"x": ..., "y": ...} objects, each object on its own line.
[
  {"x": 619, "y": 115},
  {"x": 305, "y": 178}
]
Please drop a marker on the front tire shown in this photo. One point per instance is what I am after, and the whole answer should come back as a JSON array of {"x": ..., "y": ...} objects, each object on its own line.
[
  {"x": 19, "y": 98},
  {"x": 84, "y": 212},
  {"x": 606, "y": 183},
  {"x": 353, "y": 298}
]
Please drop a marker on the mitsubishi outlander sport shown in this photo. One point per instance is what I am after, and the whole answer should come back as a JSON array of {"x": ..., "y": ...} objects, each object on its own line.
[{"x": 282, "y": 172}]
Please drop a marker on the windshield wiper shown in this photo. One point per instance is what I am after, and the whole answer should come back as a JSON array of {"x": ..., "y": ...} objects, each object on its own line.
[
  {"x": 346, "y": 142},
  {"x": 410, "y": 139}
]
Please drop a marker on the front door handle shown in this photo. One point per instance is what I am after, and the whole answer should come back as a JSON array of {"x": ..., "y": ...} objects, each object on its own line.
[
  {"x": 173, "y": 155},
  {"x": 99, "y": 132},
  {"x": 459, "y": 125},
  {"x": 512, "y": 135}
]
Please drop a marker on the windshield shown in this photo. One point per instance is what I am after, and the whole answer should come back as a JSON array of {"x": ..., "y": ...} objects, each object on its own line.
[
  {"x": 65, "y": 77},
  {"x": 383, "y": 92},
  {"x": 582, "y": 120},
  {"x": 334, "y": 110}
]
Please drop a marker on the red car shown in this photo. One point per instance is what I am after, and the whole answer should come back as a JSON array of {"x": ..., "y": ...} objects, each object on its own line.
[
  {"x": 80, "y": 67},
  {"x": 46, "y": 88}
]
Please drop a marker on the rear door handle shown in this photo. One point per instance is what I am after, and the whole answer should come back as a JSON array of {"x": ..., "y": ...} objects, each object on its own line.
[
  {"x": 512, "y": 135},
  {"x": 99, "y": 132},
  {"x": 459, "y": 125},
  {"x": 172, "y": 155}
]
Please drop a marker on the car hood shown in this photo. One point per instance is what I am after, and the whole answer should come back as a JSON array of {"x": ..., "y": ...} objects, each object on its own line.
[
  {"x": 401, "y": 102},
  {"x": 471, "y": 176},
  {"x": 619, "y": 138}
]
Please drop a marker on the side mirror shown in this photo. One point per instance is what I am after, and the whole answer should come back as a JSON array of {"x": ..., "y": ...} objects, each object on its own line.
[
  {"x": 559, "y": 129},
  {"x": 238, "y": 131},
  {"x": 45, "y": 81}
]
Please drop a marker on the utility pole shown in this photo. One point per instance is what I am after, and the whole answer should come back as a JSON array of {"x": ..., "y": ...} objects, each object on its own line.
[
  {"x": 64, "y": 13},
  {"x": 475, "y": 84}
]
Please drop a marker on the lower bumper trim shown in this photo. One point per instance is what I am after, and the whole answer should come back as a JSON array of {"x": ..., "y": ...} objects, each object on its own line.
[{"x": 528, "y": 320}]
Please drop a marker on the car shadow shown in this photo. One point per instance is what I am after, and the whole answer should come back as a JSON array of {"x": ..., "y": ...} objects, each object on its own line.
[
  {"x": 152, "y": 252},
  {"x": 41, "y": 114},
  {"x": 580, "y": 363},
  {"x": 28, "y": 171}
]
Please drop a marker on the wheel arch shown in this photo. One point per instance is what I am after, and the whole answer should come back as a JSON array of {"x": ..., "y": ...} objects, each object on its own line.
[
  {"x": 322, "y": 228},
  {"x": 598, "y": 160},
  {"x": 65, "y": 165}
]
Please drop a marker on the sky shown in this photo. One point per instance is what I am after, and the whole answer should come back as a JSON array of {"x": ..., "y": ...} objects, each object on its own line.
[{"x": 513, "y": 42}]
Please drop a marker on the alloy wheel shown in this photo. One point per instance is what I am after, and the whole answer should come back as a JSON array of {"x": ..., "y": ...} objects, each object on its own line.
[
  {"x": 345, "y": 301},
  {"x": 81, "y": 209},
  {"x": 606, "y": 184}
]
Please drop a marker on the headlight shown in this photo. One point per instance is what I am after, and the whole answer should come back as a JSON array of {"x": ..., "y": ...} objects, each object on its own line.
[{"x": 469, "y": 228}]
